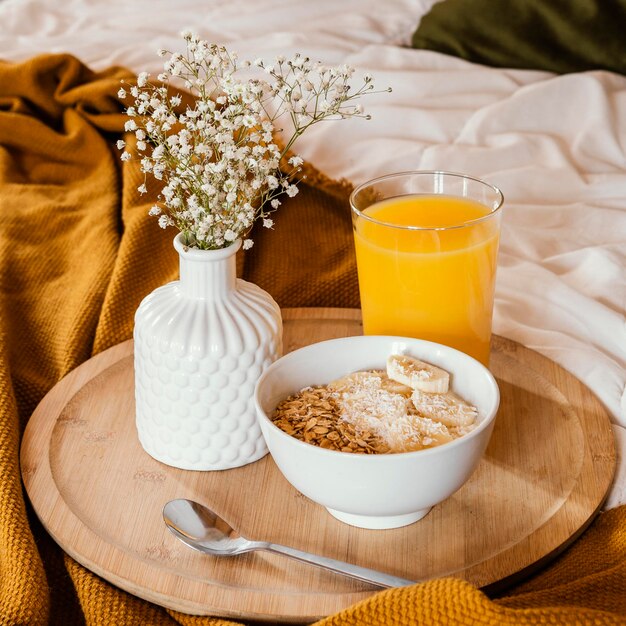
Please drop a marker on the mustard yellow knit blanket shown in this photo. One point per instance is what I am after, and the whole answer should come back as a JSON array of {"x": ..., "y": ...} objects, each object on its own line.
[{"x": 78, "y": 253}]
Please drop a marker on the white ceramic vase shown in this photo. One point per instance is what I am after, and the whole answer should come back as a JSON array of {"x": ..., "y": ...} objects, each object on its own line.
[{"x": 200, "y": 345}]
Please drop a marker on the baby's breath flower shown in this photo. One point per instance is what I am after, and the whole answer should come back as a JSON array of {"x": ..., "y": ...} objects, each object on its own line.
[
  {"x": 120, "y": 144},
  {"x": 218, "y": 161}
]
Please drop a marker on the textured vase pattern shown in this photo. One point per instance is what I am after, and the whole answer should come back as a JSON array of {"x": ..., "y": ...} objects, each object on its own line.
[{"x": 201, "y": 343}]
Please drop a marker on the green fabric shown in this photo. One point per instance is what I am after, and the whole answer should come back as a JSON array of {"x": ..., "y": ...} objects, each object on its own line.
[{"x": 554, "y": 35}]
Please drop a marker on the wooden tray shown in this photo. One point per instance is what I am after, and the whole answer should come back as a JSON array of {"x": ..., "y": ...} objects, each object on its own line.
[{"x": 545, "y": 474}]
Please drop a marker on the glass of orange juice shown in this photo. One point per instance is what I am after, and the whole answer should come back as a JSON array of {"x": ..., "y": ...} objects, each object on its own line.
[{"x": 426, "y": 248}]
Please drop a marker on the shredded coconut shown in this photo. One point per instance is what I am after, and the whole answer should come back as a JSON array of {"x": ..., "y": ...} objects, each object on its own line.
[{"x": 366, "y": 403}]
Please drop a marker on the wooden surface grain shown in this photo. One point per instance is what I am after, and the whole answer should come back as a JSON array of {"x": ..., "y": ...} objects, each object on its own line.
[{"x": 545, "y": 474}]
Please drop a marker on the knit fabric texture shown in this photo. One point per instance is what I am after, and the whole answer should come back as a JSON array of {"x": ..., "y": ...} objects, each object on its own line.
[{"x": 78, "y": 252}]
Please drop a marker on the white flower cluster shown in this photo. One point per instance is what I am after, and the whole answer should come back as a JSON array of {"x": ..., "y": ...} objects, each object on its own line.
[{"x": 216, "y": 156}]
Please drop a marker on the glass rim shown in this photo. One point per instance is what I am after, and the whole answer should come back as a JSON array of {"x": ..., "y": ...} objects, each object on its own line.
[{"x": 373, "y": 220}]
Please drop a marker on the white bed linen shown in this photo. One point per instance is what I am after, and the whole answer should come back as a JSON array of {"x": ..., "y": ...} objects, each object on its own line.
[{"x": 555, "y": 145}]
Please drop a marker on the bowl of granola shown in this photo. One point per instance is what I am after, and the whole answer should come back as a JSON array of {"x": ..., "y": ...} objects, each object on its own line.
[{"x": 377, "y": 429}]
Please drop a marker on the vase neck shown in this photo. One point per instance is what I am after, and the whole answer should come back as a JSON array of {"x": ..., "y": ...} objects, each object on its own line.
[{"x": 207, "y": 274}]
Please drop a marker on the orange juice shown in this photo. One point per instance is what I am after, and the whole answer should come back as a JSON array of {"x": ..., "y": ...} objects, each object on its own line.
[{"x": 426, "y": 266}]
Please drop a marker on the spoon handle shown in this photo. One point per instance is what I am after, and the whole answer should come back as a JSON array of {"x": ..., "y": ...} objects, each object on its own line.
[{"x": 353, "y": 571}]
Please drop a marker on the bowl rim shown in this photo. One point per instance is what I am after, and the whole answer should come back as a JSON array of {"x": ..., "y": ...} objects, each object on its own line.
[{"x": 485, "y": 423}]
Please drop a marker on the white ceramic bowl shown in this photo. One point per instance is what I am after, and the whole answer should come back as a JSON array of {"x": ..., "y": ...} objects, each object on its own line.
[{"x": 375, "y": 491}]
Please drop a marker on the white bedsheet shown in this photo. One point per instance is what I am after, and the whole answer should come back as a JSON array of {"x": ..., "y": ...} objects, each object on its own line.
[{"x": 555, "y": 145}]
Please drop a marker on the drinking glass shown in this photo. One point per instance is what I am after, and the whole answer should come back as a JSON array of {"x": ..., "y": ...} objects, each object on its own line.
[{"x": 426, "y": 249}]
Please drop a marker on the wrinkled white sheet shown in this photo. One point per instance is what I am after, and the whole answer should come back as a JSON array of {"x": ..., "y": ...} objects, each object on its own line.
[{"x": 555, "y": 145}]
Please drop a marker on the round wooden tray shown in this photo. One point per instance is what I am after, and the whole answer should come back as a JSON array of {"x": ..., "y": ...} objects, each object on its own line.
[{"x": 546, "y": 472}]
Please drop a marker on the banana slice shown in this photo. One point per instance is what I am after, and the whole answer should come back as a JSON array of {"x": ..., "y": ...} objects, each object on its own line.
[
  {"x": 446, "y": 408},
  {"x": 375, "y": 379},
  {"x": 433, "y": 433},
  {"x": 417, "y": 374},
  {"x": 350, "y": 382},
  {"x": 393, "y": 386}
]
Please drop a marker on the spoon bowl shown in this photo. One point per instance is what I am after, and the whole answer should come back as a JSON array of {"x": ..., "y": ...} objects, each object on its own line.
[{"x": 201, "y": 529}]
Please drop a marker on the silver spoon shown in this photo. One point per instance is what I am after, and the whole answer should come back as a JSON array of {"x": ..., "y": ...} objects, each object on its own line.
[{"x": 201, "y": 529}]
